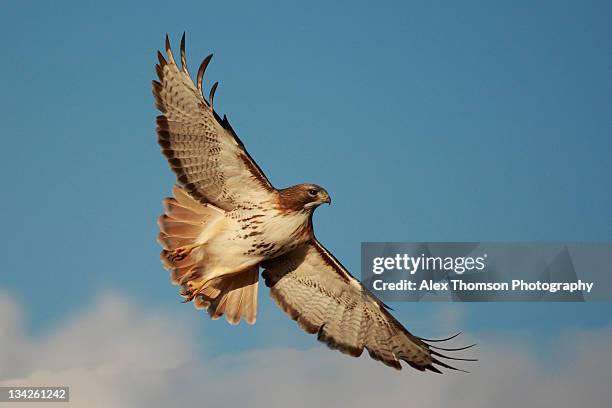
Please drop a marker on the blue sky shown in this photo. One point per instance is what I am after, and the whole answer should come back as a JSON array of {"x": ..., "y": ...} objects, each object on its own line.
[{"x": 425, "y": 121}]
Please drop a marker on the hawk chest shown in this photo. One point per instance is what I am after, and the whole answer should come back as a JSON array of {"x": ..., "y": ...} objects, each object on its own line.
[{"x": 270, "y": 233}]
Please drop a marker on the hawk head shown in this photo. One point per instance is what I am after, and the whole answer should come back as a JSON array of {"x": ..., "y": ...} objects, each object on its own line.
[{"x": 303, "y": 197}]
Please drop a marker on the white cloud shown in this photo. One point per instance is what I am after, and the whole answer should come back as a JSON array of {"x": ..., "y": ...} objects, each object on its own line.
[
  {"x": 115, "y": 354},
  {"x": 110, "y": 355}
]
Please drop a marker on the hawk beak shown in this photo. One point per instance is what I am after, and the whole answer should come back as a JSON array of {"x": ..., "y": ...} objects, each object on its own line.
[{"x": 323, "y": 197}]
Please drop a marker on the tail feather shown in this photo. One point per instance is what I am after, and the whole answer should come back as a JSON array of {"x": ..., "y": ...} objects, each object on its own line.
[
  {"x": 234, "y": 296},
  {"x": 174, "y": 209},
  {"x": 184, "y": 199},
  {"x": 181, "y": 226},
  {"x": 172, "y": 242},
  {"x": 182, "y": 229}
]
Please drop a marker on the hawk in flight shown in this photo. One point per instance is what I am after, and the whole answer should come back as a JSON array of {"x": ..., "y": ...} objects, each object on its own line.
[{"x": 225, "y": 221}]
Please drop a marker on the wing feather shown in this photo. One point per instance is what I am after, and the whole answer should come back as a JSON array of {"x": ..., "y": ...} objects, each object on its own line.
[
  {"x": 203, "y": 150},
  {"x": 312, "y": 287}
]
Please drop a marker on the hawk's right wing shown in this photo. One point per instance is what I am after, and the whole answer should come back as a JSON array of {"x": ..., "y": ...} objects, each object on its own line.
[{"x": 208, "y": 158}]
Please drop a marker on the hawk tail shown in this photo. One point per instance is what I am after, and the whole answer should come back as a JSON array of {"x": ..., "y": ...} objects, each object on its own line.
[
  {"x": 184, "y": 229},
  {"x": 181, "y": 234},
  {"x": 234, "y": 296}
]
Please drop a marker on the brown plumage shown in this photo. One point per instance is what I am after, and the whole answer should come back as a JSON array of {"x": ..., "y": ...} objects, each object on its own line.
[
  {"x": 295, "y": 198},
  {"x": 226, "y": 220}
]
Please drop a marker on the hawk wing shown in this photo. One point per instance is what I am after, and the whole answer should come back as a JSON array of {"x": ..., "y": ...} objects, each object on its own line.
[
  {"x": 312, "y": 287},
  {"x": 209, "y": 159}
]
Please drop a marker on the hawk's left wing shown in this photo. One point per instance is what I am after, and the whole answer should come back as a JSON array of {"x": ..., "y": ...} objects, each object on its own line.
[{"x": 312, "y": 287}]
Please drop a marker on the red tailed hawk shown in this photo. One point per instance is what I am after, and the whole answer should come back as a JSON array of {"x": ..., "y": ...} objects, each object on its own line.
[{"x": 226, "y": 221}]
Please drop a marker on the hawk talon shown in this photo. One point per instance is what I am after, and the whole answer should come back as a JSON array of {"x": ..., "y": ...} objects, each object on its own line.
[
  {"x": 191, "y": 289},
  {"x": 180, "y": 253}
]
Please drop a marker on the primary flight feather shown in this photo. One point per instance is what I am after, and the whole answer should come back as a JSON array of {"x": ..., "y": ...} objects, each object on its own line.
[{"x": 225, "y": 221}]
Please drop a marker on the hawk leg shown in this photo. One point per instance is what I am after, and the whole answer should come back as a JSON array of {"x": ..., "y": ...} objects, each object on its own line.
[{"x": 181, "y": 253}]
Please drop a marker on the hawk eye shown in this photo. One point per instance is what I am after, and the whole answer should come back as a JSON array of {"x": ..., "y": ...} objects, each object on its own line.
[{"x": 312, "y": 192}]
